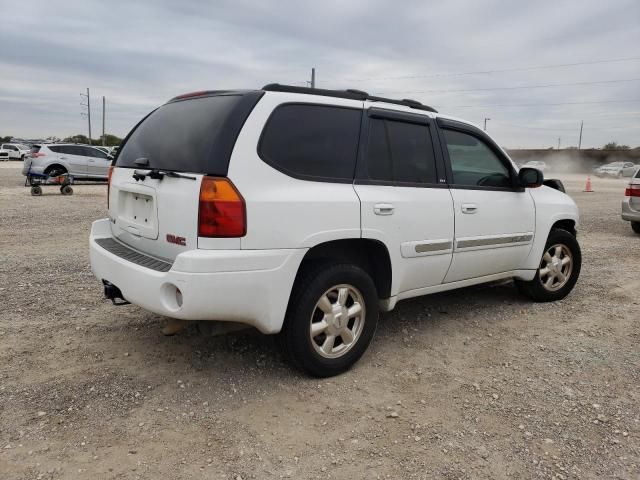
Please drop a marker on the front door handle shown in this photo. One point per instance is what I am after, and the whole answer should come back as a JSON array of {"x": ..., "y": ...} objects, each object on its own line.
[
  {"x": 469, "y": 208},
  {"x": 383, "y": 209}
]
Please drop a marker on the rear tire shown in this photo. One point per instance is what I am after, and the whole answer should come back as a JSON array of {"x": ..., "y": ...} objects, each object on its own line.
[
  {"x": 55, "y": 171},
  {"x": 559, "y": 269},
  {"x": 635, "y": 226},
  {"x": 66, "y": 190},
  {"x": 331, "y": 318}
]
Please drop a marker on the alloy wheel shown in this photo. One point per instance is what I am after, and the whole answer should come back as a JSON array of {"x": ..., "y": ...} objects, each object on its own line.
[{"x": 337, "y": 321}]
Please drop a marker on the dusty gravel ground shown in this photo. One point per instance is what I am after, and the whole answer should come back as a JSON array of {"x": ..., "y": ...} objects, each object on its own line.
[{"x": 478, "y": 383}]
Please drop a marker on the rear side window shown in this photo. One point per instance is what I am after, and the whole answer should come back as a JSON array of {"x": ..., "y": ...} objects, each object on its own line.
[
  {"x": 35, "y": 148},
  {"x": 69, "y": 149},
  {"x": 638, "y": 173},
  {"x": 195, "y": 135},
  {"x": 399, "y": 152},
  {"x": 55, "y": 149},
  {"x": 315, "y": 142}
]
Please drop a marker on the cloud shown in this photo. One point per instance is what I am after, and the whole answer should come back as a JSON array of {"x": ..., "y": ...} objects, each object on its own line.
[{"x": 140, "y": 54}]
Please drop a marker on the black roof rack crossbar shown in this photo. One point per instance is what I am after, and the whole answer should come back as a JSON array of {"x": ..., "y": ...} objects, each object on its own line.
[{"x": 351, "y": 94}]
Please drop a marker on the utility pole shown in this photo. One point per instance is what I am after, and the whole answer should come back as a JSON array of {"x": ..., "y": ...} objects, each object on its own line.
[
  {"x": 88, "y": 114},
  {"x": 103, "y": 139},
  {"x": 558, "y": 143},
  {"x": 313, "y": 78},
  {"x": 485, "y": 123},
  {"x": 580, "y": 138}
]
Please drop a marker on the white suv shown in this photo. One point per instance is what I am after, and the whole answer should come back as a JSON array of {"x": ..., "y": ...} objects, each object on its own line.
[
  {"x": 304, "y": 212},
  {"x": 81, "y": 161}
]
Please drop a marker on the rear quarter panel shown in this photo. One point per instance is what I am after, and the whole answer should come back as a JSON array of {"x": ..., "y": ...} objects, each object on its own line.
[{"x": 284, "y": 212}]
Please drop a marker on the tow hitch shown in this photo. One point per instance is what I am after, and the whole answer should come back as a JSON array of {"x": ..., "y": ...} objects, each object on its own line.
[{"x": 114, "y": 294}]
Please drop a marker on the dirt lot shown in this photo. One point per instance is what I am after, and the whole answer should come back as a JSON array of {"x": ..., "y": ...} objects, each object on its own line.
[{"x": 484, "y": 383}]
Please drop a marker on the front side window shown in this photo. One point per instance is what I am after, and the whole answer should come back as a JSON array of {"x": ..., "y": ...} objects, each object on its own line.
[
  {"x": 94, "y": 152},
  {"x": 399, "y": 152},
  {"x": 312, "y": 141},
  {"x": 474, "y": 163}
]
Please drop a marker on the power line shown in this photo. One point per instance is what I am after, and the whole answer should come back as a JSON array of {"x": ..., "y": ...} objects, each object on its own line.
[
  {"x": 502, "y": 70},
  {"x": 536, "y": 104},
  {"x": 546, "y": 85}
]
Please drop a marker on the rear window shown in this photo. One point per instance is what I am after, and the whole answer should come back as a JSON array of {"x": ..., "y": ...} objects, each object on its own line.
[
  {"x": 638, "y": 172},
  {"x": 35, "y": 148},
  {"x": 314, "y": 142},
  {"x": 195, "y": 135}
]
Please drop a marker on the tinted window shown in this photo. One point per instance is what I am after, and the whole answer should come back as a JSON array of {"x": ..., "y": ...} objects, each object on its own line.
[
  {"x": 312, "y": 140},
  {"x": 94, "y": 152},
  {"x": 474, "y": 163},
  {"x": 71, "y": 149},
  {"x": 56, "y": 149},
  {"x": 195, "y": 135},
  {"x": 399, "y": 152},
  {"x": 10, "y": 147}
]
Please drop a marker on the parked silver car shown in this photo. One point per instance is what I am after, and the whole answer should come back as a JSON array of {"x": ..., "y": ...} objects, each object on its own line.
[
  {"x": 81, "y": 161},
  {"x": 616, "y": 169},
  {"x": 631, "y": 203}
]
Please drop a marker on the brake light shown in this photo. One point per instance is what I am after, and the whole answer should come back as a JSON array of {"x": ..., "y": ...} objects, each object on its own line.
[
  {"x": 109, "y": 173},
  {"x": 221, "y": 209},
  {"x": 199, "y": 93},
  {"x": 38, "y": 154},
  {"x": 633, "y": 190}
]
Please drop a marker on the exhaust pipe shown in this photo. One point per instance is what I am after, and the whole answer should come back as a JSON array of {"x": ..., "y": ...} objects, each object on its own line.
[{"x": 113, "y": 293}]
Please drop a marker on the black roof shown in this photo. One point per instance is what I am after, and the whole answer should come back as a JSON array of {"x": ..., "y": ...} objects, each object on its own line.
[{"x": 350, "y": 94}]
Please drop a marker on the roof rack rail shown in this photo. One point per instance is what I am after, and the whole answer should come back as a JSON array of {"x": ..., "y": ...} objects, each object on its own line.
[{"x": 351, "y": 94}]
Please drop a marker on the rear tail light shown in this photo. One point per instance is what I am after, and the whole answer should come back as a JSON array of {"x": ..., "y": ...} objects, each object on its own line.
[
  {"x": 109, "y": 173},
  {"x": 632, "y": 191},
  {"x": 221, "y": 211},
  {"x": 38, "y": 154}
]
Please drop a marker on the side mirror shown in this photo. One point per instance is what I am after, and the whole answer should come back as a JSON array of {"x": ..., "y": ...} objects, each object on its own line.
[{"x": 530, "y": 177}]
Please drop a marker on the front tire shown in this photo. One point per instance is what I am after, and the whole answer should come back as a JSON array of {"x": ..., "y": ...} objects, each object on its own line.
[
  {"x": 331, "y": 318},
  {"x": 635, "y": 226},
  {"x": 559, "y": 269}
]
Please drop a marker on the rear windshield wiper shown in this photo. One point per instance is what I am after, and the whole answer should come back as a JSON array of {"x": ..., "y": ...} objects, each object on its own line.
[{"x": 158, "y": 174}]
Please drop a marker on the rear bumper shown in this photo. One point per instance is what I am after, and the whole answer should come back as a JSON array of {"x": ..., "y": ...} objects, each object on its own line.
[
  {"x": 245, "y": 286},
  {"x": 628, "y": 213}
]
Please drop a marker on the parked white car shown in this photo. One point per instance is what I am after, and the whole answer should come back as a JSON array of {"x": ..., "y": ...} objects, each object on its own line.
[
  {"x": 538, "y": 164},
  {"x": 617, "y": 169},
  {"x": 304, "y": 212},
  {"x": 13, "y": 151},
  {"x": 81, "y": 161}
]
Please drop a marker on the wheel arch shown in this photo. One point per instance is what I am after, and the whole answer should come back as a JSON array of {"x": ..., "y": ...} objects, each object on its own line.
[
  {"x": 53, "y": 165},
  {"x": 567, "y": 224},
  {"x": 369, "y": 254}
]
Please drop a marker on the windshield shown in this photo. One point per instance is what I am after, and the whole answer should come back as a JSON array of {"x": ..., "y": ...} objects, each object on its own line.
[{"x": 195, "y": 135}]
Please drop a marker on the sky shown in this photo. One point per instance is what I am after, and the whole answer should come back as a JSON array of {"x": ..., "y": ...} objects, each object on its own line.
[{"x": 535, "y": 69}]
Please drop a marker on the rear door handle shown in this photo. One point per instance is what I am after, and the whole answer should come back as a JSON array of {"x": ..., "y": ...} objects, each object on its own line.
[
  {"x": 383, "y": 209},
  {"x": 469, "y": 208}
]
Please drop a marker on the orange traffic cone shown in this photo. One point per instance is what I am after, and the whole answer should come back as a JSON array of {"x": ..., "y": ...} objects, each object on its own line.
[{"x": 587, "y": 187}]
